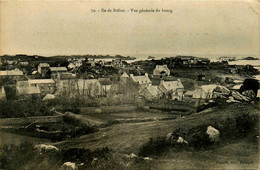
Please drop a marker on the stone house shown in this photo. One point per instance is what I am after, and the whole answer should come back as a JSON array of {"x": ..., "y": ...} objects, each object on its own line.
[
  {"x": 161, "y": 70},
  {"x": 45, "y": 85},
  {"x": 172, "y": 89}
]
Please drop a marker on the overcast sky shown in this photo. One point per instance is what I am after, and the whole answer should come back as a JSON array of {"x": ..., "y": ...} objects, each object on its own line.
[{"x": 64, "y": 28}]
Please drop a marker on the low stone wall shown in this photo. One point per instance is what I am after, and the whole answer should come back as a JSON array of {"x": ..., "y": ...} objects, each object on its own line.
[
  {"x": 108, "y": 109},
  {"x": 28, "y": 120},
  {"x": 176, "y": 105}
]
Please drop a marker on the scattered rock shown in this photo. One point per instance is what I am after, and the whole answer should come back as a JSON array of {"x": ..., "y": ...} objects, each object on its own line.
[
  {"x": 132, "y": 155},
  {"x": 237, "y": 96},
  {"x": 94, "y": 161},
  {"x": 181, "y": 140},
  {"x": 211, "y": 101},
  {"x": 70, "y": 166},
  {"x": 169, "y": 136},
  {"x": 147, "y": 158},
  {"x": 222, "y": 90},
  {"x": 45, "y": 148},
  {"x": 232, "y": 100},
  {"x": 213, "y": 133}
]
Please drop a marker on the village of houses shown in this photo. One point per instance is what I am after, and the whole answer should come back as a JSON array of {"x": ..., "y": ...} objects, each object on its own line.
[
  {"x": 47, "y": 81},
  {"x": 125, "y": 92}
]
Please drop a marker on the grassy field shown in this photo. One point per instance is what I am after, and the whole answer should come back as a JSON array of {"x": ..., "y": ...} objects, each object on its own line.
[{"x": 127, "y": 138}]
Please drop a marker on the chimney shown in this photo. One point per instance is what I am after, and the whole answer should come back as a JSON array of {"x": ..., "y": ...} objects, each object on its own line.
[
  {"x": 131, "y": 75},
  {"x": 146, "y": 74}
]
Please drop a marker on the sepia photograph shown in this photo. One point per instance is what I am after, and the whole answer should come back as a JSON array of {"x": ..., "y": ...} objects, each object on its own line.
[{"x": 129, "y": 85}]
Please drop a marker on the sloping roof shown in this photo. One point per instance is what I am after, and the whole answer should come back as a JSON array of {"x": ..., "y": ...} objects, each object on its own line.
[
  {"x": 44, "y": 65},
  {"x": 87, "y": 83},
  {"x": 34, "y": 72},
  {"x": 172, "y": 85},
  {"x": 141, "y": 79},
  {"x": 208, "y": 88},
  {"x": 124, "y": 75},
  {"x": 58, "y": 69},
  {"x": 153, "y": 90},
  {"x": 161, "y": 67},
  {"x": 203, "y": 92},
  {"x": 71, "y": 65},
  {"x": 11, "y": 73},
  {"x": 40, "y": 81}
]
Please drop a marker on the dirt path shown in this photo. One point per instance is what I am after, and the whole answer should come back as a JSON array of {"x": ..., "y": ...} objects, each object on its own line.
[{"x": 128, "y": 138}]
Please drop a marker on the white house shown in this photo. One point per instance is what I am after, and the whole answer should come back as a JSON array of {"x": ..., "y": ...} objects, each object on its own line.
[
  {"x": 11, "y": 73},
  {"x": 143, "y": 81},
  {"x": 161, "y": 70},
  {"x": 172, "y": 89},
  {"x": 152, "y": 92},
  {"x": 45, "y": 85},
  {"x": 58, "y": 69},
  {"x": 202, "y": 92},
  {"x": 24, "y": 88},
  {"x": 43, "y": 68}
]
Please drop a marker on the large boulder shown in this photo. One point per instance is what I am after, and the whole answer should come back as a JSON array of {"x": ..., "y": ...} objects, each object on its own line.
[
  {"x": 237, "y": 96},
  {"x": 232, "y": 100},
  {"x": 181, "y": 141},
  {"x": 213, "y": 133},
  {"x": 250, "y": 94},
  {"x": 70, "y": 166},
  {"x": 222, "y": 90}
]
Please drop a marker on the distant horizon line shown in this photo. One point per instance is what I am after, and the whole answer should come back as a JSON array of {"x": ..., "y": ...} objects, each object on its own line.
[{"x": 124, "y": 54}]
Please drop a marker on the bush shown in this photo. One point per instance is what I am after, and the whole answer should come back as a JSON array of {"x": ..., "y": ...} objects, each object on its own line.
[
  {"x": 155, "y": 146},
  {"x": 14, "y": 157},
  {"x": 23, "y": 108},
  {"x": 25, "y": 156},
  {"x": 241, "y": 126}
]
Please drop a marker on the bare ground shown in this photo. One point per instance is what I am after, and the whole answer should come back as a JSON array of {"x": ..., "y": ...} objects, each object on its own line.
[{"x": 127, "y": 138}]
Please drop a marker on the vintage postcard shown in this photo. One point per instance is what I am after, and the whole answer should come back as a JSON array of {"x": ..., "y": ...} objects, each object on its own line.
[{"x": 133, "y": 85}]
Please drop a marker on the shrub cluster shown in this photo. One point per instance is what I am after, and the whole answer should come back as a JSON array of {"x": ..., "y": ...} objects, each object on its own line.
[
  {"x": 25, "y": 156},
  {"x": 241, "y": 126},
  {"x": 23, "y": 108}
]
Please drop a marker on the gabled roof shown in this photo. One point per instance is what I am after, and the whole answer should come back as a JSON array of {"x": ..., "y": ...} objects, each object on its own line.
[
  {"x": 34, "y": 72},
  {"x": 141, "y": 79},
  {"x": 41, "y": 81},
  {"x": 153, "y": 90},
  {"x": 11, "y": 73},
  {"x": 161, "y": 67},
  {"x": 208, "y": 88},
  {"x": 124, "y": 75},
  {"x": 44, "y": 65},
  {"x": 171, "y": 85},
  {"x": 58, "y": 69}
]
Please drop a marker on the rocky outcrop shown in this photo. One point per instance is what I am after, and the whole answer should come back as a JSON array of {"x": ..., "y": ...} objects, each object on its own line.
[{"x": 214, "y": 134}]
